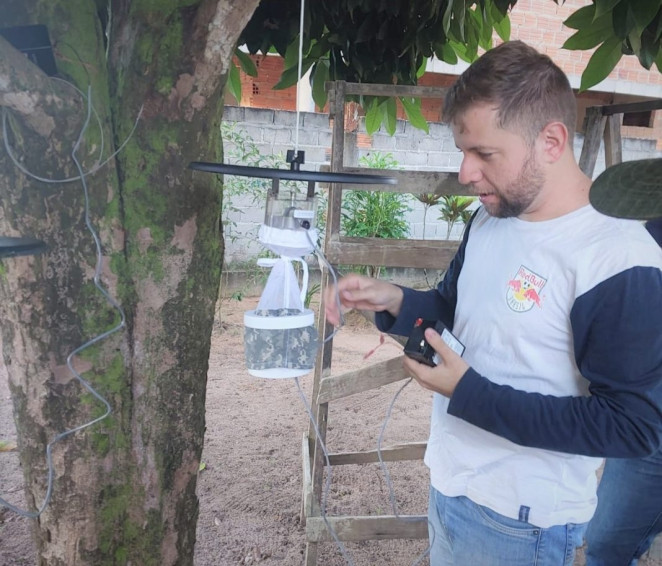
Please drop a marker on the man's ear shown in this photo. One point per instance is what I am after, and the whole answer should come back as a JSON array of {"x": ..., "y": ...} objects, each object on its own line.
[{"x": 553, "y": 141}]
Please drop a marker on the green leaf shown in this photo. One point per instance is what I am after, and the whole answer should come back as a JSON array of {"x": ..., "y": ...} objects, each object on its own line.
[
  {"x": 623, "y": 20},
  {"x": 501, "y": 23},
  {"x": 658, "y": 29},
  {"x": 319, "y": 77},
  {"x": 658, "y": 61},
  {"x": 373, "y": 116},
  {"x": 596, "y": 32},
  {"x": 246, "y": 63},
  {"x": 644, "y": 11},
  {"x": 413, "y": 111},
  {"x": 581, "y": 19},
  {"x": 390, "y": 114},
  {"x": 446, "y": 53},
  {"x": 291, "y": 57},
  {"x": 234, "y": 82},
  {"x": 485, "y": 31},
  {"x": 459, "y": 13},
  {"x": 461, "y": 50},
  {"x": 648, "y": 51},
  {"x": 421, "y": 69},
  {"x": 604, "y": 6},
  {"x": 446, "y": 20},
  {"x": 290, "y": 76},
  {"x": 602, "y": 62}
]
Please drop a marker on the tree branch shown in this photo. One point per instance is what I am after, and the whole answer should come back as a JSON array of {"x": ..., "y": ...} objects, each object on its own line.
[{"x": 27, "y": 91}]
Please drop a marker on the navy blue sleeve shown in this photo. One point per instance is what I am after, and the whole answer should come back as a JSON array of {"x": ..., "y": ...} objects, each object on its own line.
[
  {"x": 435, "y": 304},
  {"x": 617, "y": 331}
]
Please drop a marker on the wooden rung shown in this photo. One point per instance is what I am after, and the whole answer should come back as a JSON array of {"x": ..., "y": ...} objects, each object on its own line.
[
  {"x": 356, "y": 528},
  {"x": 357, "y": 381},
  {"x": 395, "y": 453},
  {"x": 410, "y": 182},
  {"x": 390, "y": 253}
]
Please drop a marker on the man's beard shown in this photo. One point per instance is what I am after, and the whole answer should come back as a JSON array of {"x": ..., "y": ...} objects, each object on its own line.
[{"x": 521, "y": 192}]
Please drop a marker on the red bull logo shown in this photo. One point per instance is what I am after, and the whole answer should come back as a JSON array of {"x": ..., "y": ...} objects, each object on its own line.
[{"x": 524, "y": 290}]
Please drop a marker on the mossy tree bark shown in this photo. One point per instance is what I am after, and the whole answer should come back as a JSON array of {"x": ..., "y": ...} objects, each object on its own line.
[{"x": 124, "y": 489}]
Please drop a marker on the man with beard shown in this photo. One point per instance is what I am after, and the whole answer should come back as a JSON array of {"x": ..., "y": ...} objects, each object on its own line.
[{"x": 560, "y": 310}]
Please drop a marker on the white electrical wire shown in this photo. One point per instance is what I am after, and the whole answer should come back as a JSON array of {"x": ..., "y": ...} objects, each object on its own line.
[
  {"x": 93, "y": 170},
  {"x": 382, "y": 464},
  {"x": 327, "y": 484},
  {"x": 97, "y": 274}
]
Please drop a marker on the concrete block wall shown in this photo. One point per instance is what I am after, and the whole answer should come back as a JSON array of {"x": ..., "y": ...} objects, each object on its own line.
[{"x": 274, "y": 132}]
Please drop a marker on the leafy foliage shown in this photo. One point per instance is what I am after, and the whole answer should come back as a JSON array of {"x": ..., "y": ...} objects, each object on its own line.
[
  {"x": 375, "y": 214},
  {"x": 455, "y": 208},
  {"x": 616, "y": 28},
  {"x": 241, "y": 149},
  {"x": 374, "y": 41},
  {"x": 390, "y": 41}
]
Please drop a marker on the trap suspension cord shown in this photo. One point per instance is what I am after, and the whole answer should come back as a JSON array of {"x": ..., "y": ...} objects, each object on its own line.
[
  {"x": 97, "y": 275},
  {"x": 296, "y": 131},
  {"x": 327, "y": 483},
  {"x": 389, "y": 483},
  {"x": 94, "y": 169}
]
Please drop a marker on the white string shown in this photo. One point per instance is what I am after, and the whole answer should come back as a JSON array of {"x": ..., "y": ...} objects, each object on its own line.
[
  {"x": 113, "y": 303},
  {"x": 296, "y": 132},
  {"x": 389, "y": 483},
  {"x": 327, "y": 484}
]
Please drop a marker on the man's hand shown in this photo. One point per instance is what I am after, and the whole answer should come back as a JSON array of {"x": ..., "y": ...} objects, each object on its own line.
[
  {"x": 446, "y": 375},
  {"x": 363, "y": 293}
]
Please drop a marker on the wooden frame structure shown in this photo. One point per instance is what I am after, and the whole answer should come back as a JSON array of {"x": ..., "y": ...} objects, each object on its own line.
[
  {"x": 327, "y": 388},
  {"x": 603, "y": 122}
]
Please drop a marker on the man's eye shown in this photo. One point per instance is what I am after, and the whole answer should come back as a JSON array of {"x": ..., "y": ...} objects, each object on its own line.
[{"x": 484, "y": 156}]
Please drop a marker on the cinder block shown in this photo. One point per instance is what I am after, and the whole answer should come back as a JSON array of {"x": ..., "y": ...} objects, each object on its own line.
[
  {"x": 284, "y": 118},
  {"x": 233, "y": 114},
  {"x": 406, "y": 143},
  {"x": 316, "y": 120},
  {"x": 259, "y": 115},
  {"x": 415, "y": 159},
  {"x": 383, "y": 142}
]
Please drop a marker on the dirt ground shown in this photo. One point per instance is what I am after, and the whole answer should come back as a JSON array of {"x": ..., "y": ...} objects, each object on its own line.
[{"x": 250, "y": 489}]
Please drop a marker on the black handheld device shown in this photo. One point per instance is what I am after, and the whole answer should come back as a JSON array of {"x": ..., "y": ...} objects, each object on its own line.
[{"x": 418, "y": 348}]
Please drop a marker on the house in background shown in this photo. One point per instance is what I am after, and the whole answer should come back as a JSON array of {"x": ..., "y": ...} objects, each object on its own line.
[
  {"x": 536, "y": 22},
  {"x": 267, "y": 117}
]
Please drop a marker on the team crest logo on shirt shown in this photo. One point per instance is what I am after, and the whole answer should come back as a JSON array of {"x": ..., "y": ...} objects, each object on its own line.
[{"x": 524, "y": 290}]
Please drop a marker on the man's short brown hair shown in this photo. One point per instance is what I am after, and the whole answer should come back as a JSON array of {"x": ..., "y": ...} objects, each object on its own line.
[{"x": 526, "y": 88}]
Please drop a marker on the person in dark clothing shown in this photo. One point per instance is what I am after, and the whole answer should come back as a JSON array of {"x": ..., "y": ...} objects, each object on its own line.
[{"x": 629, "y": 512}]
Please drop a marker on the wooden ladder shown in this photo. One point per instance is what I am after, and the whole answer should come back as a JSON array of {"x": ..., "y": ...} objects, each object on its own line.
[{"x": 341, "y": 250}]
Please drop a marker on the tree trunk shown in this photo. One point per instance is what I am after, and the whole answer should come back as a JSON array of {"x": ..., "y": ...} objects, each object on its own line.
[{"x": 124, "y": 489}]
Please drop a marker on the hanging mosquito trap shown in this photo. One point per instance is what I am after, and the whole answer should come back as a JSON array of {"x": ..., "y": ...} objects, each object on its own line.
[{"x": 280, "y": 337}]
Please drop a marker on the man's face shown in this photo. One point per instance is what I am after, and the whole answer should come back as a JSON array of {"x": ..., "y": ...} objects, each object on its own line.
[{"x": 499, "y": 165}]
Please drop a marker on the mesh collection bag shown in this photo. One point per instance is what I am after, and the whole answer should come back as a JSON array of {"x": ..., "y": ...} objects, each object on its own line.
[{"x": 280, "y": 338}]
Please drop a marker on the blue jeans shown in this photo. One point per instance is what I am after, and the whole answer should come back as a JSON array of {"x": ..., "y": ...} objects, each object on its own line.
[
  {"x": 629, "y": 512},
  {"x": 463, "y": 533}
]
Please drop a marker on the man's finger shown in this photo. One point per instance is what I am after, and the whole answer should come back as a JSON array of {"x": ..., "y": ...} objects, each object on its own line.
[{"x": 437, "y": 342}]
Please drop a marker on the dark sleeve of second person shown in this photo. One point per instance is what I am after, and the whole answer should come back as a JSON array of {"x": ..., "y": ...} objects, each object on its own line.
[{"x": 617, "y": 332}]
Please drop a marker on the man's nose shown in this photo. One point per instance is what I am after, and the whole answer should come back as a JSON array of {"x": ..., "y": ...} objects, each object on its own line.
[{"x": 469, "y": 170}]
